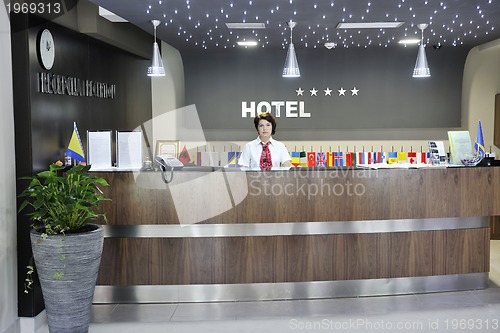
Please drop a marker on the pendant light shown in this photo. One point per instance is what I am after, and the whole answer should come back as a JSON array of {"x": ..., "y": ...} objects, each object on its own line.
[
  {"x": 421, "y": 66},
  {"x": 291, "y": 68},
  {"x": 156, "y": 68}
]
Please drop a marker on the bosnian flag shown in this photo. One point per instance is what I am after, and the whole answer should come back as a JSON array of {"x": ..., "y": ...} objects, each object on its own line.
[
  {"x": 75, "y": 147},
  {"x": 479, "y": 144},
  {"x": 233, "y": 158}
]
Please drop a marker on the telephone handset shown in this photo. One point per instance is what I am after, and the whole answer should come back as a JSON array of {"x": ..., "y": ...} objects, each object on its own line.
[{"x": 168, "y": 162}]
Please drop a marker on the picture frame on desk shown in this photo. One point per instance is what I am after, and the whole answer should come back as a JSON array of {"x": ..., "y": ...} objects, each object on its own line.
[{"x": 168, "y": 148}]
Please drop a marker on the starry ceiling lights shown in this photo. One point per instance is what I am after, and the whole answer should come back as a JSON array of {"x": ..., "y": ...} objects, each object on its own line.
[
  {"x": 291, "y": 68},
  {"x": 421, "y": 66},
  {"x": 156, "y": 68},
  {"x": 201, "y": 25}
]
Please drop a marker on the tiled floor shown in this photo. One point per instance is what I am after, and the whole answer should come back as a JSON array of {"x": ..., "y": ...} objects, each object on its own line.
[{"x": 464, "y": 311}]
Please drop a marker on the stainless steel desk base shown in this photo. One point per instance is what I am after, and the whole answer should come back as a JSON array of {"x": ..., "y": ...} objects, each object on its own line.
[{"x": 287, "y": 291}]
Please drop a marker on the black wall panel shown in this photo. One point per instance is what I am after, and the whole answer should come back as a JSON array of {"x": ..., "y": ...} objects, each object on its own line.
[
  {"x": 44, "y": 122},
  {"x": 217, "y": 82}
]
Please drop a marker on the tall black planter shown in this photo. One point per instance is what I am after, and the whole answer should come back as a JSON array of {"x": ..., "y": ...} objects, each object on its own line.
[{"x": 76, "y": 259}]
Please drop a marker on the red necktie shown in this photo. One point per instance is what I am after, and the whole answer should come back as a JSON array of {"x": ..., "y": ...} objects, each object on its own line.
[{"x": 265, "y": 158}]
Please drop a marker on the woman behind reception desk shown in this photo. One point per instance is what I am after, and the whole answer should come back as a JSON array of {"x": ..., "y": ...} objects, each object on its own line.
[{"x": 264, "y": 152}]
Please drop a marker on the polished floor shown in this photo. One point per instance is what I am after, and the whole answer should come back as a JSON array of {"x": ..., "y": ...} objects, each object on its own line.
[{"x": 463, "y": 311}]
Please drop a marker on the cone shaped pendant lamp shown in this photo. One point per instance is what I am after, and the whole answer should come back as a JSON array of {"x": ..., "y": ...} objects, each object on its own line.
[
  {"x": 421, "y": 66},
  {"x": 291, "y": 68},
  {"x": 156, "y": 68}
]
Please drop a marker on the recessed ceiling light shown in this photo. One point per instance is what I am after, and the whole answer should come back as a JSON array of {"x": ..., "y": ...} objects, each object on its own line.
[
  {"x": 110, "y": 15},
  {"x": 247, "y": 43},
  {"x": 369, "y": 25},
  {"x": 244, "y": 25},
  {"x": 409, "y": 41}
]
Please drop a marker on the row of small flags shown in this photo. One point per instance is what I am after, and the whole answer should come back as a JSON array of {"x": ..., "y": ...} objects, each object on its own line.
[
  {"x": 313, "y": 159},
  {"x": 330, "y": 159}
]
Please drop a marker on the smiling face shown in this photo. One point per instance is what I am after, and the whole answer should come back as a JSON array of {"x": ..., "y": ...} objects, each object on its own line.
[{"x": 265, "y": 129}]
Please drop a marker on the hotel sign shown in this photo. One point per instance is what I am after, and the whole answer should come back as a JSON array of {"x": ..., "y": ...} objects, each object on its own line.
[{"x": 291, "y": 109}]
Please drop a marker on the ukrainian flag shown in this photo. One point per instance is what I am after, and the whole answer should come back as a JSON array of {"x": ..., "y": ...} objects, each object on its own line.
[{"x": 75, "y": 147}]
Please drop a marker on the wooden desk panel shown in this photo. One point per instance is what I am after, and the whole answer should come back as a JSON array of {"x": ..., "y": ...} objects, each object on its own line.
[
  {"x": 231, "y": 260},
  {"x": 387, "y": 195}
]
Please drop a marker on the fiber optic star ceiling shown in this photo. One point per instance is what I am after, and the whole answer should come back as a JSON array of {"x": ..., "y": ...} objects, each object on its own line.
[{"x": 201, "y": 24}]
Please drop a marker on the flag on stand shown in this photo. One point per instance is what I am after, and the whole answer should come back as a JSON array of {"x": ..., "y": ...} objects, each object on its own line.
[
  {"x": 338, "y": 158},
  {"x": 303, "y": 159},
  {"x": 295, "y": 155},
  {"x": 75, "y": 147},
  {"x": 367, "y": 157},
  {"x": 224, "y": 159},
  {"x": 232, "y": 159},
  {"x": 210, "y": 159},
  {"x": 311, "y": 159},
  {"x": 392, "y": 157},
  {"x": 330, "y": 159},
  {"x": 321, "y": 159},
  {"x": 422, "y": 158},
  {"x": 198, "y": 158},
  {"x": 184, "y": 156},
  {"x": 358, "y": 158},
  {"x": 401, "y": 157},
  {"x": 412, "y": 157},
  {"x": 479, "y": 144},
  {"x": 379, "y": 157},
  {"x": 349, "y": 159}
]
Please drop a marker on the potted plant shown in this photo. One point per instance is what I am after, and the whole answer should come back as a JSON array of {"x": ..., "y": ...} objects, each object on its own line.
[{"x": 67, "y": 246}]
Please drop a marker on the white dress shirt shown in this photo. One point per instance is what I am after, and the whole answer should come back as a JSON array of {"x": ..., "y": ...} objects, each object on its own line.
[{"x": 250, "y": 156}]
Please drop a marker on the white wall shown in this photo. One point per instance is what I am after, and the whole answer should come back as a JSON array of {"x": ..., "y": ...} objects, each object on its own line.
[
  {"x": 168, "y": 94},
  {"x": 481, "y": 84},
  {"x": 8, "y": 247}
]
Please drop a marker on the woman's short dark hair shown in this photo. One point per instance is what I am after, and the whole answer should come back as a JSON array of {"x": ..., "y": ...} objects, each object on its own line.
[{"x": 267, "y": 116}]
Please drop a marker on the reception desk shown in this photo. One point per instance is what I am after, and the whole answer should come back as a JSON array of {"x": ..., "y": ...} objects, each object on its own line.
[{"x": 228, "y": 235}]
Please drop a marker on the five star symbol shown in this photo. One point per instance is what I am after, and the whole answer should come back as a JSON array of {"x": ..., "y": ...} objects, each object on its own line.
[{"x": 328, "y": 91}]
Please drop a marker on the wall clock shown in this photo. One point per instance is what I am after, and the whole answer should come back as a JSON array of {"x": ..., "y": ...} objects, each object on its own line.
[{"x": 46, "y": 49}]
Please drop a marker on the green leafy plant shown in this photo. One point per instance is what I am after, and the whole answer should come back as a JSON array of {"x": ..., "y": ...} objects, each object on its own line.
[{"x": 63, "y": 201}]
